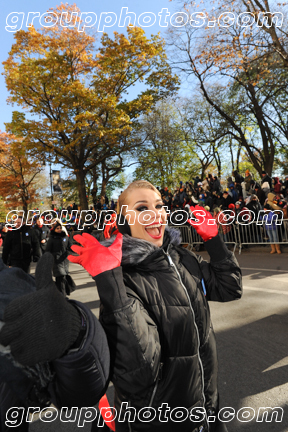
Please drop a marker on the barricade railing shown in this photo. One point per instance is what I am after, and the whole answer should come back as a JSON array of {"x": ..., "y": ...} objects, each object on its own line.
[
  {"x": 257, "y": 234},
  {"x": 236, "y": 235},
  {"x": 186, "y": 235},
  {"x": 191, "y": 238}
]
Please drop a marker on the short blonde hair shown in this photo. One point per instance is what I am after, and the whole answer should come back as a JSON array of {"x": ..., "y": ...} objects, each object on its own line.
[{"x": 138, "y": 184}]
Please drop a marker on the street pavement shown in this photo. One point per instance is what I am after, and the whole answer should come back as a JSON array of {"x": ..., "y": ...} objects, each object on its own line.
[{"x": 251, "y": 339}]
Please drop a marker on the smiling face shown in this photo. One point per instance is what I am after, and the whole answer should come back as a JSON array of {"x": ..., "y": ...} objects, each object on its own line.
[
  {"x": 39, "y": 222},
  {"x": 147, "y": 203}
]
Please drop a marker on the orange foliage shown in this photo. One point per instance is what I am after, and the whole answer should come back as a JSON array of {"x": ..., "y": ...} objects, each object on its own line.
[
  {"x": 17, "y": 173},
  {"x": 78, "y": 94}
]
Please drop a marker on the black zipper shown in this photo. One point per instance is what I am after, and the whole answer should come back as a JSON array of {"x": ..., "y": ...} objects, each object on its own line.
[
  {"x": 171, "y": 263},
  {"x": 158, "y": 378}
]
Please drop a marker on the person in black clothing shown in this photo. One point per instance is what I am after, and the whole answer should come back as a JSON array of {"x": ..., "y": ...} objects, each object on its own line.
[
  {"x": 156, "y": 315},
  {"x": 58, "y": 245},
  {"x": 238, "y": 180},
  {"x": 216, "y": 184},
  {"x": 217, "y": 198},
  {"x": 55, "y": 351},
  {"x": 226, "y": 200},
  {"x": 208, "y": 200},
  {"x": 42, "y": 232},
  {"x": 260, "y": 194},
  {"x": 210, "y": 181},
  {"x": 196, "y": 181},
  {"x": 266, "y": 178},
  {"x": 20, "y": 245},
  {"x": 254, "y": 205}
]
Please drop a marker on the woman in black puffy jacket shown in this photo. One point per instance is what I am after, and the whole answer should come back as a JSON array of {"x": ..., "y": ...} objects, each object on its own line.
[
  {"x": 59, "y": 245},
  {"x": 156, "y": 316}
]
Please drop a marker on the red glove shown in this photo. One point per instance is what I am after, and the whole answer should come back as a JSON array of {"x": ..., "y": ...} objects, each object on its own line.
[
  {"x": 94, "y": 257},
  {"x": 206, "y": 227},
  {"x": 109, "y": 228}
]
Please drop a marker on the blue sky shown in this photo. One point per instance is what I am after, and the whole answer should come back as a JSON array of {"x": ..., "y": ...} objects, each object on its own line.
[{"x": 20, "y": 6}]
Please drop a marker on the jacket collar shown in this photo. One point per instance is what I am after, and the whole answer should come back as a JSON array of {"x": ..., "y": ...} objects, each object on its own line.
[{"x": 135, "y": 251}]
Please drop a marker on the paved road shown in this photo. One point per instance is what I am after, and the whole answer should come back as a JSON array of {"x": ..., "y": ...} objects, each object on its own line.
[{"x": 251, "y": 338}]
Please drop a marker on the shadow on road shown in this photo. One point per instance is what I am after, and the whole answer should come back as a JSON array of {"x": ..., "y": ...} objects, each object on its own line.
[{"x": 251, "y": 363}]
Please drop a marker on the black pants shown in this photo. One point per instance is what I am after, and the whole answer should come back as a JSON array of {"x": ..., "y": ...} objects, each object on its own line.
[
  {"x": 8, "y": 400},
  {"x": 24, "y": 265}
]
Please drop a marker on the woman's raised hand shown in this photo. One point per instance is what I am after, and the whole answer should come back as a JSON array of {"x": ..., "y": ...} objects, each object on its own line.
[
  {"x": 94, "y": 257},
  {"x": 206, "y": 226}
]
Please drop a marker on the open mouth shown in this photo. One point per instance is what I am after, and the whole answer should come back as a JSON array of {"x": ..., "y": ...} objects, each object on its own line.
[{"x": 155, "y": 231}]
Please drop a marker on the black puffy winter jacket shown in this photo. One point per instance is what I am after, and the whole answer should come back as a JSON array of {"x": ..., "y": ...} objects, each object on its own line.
[
  {"x": 42, "y": 233},
  {"x": 58, "y": 245},
  {"x": 80, "y": 376},
  {"x": 157, "y": 320},
  {"x": 20, "y": 244}
]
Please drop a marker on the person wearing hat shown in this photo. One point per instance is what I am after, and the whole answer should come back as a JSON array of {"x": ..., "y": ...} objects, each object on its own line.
[
  {"x": 234, "y": 193},
  {"x": 59, "y": 245},
  {"x": 266, "y": 178},
  {"x": 155, "y": 313},
  {"x": 216, "y": 184},
  {"x": 254, "y": 205},
  {"x": 52, "y": 350}
]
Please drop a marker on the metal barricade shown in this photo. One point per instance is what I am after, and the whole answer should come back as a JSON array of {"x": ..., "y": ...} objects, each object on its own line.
[
  {"x": 185, "y": 235},
  {"x": 239, "y": 235},
  {"x": 256, "y": 234},
  {"x": 230, "y": 237},
  {"x": 191, "y": 238}
]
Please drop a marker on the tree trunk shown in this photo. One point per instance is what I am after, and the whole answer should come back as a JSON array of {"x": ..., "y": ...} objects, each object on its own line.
[
  {"x": 231, "y": 152},
  {"x": 268, "y": 165},
  {"x": 80, "y": 177},
  {"x": 94, "y": 185},
  {"x": 104, "y": 186},
  {"x": 24, "y": 202},
  {"x": 25, "y": 210},
  {"x": 238, "y": 158}
]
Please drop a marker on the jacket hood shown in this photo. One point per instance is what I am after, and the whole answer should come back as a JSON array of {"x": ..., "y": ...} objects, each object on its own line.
[{"x": 135, "y": 250}]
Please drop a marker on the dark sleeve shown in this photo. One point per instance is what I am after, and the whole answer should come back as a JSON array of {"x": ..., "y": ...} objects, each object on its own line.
[
  {"x": 49, "y": 246},
  {"x": 132, "y": 335},
  {"x": 222, "y": 276},
  {"x": 35, "y": 245},
  {"x": 82, "y": 376},
  {"x": 70, "y": 243},
  {"x": 6, "y": 247}
]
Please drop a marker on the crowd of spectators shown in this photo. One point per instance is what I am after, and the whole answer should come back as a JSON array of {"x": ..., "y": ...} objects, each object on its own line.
[
  {"x": 239, "y": 194},
  {"x": 211, "y": 193}
]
